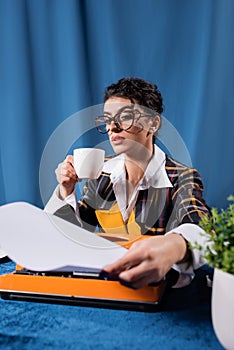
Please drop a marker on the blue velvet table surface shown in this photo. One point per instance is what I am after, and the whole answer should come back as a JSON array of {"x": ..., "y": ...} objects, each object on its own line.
[{"x": 183, "y": 322}]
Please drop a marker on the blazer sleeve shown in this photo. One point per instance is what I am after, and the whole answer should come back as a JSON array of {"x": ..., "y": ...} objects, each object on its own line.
[{"x": 187, "y": 199}]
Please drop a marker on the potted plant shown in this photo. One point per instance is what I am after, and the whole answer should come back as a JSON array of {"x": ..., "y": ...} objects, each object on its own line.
[{"x": 219, "y": 253}]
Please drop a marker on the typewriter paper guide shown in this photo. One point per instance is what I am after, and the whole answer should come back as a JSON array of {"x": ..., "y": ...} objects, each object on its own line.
[{"x": 40, "y": 241}]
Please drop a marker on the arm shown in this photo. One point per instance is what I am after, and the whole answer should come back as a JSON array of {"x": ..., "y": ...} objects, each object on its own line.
[
  {"x": 149, "y": 260},
  {"x": 187, "y": 199},
  {"x": 63, "y": 202},
  {"x": 188, "y": 209}
]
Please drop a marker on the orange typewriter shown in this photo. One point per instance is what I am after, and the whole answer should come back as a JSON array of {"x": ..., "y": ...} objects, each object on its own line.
[{"x": 65, "y": 283}]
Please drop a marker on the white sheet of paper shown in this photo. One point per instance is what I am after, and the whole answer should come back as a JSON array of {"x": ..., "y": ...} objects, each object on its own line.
[
  {"x": 2, "y": 254},
  {"x": 40, "y": 241}
]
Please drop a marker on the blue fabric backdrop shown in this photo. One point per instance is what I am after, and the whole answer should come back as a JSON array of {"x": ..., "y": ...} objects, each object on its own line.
[{"x": 58, "y": 55}]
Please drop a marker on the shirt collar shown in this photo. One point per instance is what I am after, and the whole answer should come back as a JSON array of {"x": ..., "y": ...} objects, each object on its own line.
[{"x": 155, "y": 174}]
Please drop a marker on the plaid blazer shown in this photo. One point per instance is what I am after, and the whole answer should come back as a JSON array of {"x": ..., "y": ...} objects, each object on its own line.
[{"x": 157, "y": 210}]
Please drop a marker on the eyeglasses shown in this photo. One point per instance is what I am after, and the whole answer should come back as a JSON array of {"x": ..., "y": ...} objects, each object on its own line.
[{"x": 123, "y": 120}]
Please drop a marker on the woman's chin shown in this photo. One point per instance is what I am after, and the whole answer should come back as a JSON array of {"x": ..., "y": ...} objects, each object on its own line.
[{"x": 118, "y": 149}]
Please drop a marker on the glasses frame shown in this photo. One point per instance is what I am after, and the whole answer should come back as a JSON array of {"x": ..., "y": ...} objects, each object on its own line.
[{"x": 117, "y": 123}]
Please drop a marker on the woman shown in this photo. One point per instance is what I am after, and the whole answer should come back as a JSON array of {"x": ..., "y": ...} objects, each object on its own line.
[{"x": 142, "y": 190}]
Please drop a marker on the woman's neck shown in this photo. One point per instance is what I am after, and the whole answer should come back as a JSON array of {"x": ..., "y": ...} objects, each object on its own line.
[{"x": 136, "y": 165}]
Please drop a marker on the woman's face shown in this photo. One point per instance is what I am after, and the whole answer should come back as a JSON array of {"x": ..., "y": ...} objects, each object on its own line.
[{"x": 139, "y": 136}]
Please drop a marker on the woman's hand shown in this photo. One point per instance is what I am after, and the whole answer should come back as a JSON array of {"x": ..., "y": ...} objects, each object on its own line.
[
  {"x": 149, "y": 260},
  {"x": 66, "y": 177}
]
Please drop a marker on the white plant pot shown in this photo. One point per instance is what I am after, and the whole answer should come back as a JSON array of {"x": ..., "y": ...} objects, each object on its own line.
[{"x": 223, "y": 308}]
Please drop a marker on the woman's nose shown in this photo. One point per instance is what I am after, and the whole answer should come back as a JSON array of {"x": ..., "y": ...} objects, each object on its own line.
[{"x": 113, "y": 127}]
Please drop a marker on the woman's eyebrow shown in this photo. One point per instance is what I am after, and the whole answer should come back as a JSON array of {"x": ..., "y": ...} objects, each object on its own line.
[{"x": 131, "y": 107}]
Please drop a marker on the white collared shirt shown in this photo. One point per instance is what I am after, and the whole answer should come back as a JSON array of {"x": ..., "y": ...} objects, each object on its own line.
[{"x": 154, "y": 176}]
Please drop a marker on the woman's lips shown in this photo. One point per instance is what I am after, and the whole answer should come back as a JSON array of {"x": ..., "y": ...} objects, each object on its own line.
[{"x": 116, "y": 139}]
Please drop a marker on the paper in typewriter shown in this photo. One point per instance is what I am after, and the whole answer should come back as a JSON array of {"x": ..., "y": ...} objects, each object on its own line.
[{"x": 39, "y": 241}]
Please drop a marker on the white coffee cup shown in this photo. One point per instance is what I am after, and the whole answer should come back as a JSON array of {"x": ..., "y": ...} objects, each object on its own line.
[{"x": 88, "y": 162}]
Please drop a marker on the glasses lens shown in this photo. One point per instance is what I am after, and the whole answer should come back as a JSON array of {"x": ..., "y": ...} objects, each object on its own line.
[
  {"x": 125, "y": 120},
  {"x": 102, "y": 124}
]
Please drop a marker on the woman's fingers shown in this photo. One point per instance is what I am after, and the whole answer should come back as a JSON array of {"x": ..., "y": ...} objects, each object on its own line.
[
  {"x": 66, "y": 177},
  {"x": 65, "y": 171},
  {"x": 129, "y": 260},
  {"x": 69, "y": 159},
  {"x": 146, "y": 261},
  {"x": 139, "y": 276}
]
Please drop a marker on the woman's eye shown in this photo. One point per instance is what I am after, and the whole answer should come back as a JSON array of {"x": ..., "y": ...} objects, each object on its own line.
[
  {"x": 126, "y": 117},
  {"x": 107, "y": 120}
]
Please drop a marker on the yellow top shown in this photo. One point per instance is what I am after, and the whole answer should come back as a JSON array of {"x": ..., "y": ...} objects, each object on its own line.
[{"x": 112, "y": 223}]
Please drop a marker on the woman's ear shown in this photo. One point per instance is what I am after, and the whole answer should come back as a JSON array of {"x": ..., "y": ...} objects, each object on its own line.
[
  {"x": 157, "y": 122},
  {"x": 154, "y": 125}
]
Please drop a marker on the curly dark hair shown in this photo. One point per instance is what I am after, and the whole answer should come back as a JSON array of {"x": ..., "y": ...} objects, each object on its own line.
[{"x": 137, "y": 91}]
